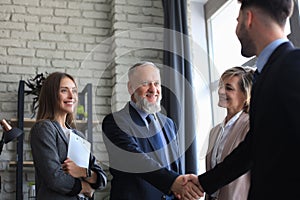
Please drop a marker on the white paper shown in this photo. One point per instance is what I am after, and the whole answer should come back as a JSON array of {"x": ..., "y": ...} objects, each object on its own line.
[{"x": 79, "y": 150}]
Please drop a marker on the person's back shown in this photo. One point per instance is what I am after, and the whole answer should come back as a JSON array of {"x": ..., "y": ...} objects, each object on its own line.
[
  {"x": 273, "y": 142},
  {"x": 275, "y": 127}
]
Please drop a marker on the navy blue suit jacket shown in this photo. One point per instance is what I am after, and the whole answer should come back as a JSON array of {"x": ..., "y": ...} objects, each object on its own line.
[
  {"x": 271, "y": 148},
  {"x": 134, "y": 162}
]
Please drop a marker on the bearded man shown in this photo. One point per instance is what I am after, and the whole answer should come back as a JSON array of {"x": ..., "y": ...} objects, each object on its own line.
[{"x": 142, "y": 144}]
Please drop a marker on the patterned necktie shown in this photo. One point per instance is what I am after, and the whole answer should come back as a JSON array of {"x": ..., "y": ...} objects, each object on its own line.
[
  {"x": 155, "y": 131},
  {"x": 157, "y": 140}
]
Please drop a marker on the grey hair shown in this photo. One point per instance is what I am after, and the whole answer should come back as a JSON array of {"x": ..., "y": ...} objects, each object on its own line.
[{"x": 140, "y": 64}]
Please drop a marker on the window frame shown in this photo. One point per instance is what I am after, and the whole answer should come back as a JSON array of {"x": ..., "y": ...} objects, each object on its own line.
[
  {"x": 212, "y": 7},
  {"x": 295, "y": 25}
]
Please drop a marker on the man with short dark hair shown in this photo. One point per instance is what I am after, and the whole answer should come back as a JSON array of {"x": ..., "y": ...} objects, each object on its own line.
[{"x": 272, "y": 146}]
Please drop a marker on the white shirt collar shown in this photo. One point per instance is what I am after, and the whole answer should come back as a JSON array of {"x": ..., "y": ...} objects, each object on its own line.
[{"x": 232, "y": 120}]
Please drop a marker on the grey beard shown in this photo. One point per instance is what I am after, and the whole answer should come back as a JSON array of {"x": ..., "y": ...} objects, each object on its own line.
[{"x": 146, "y": 106}]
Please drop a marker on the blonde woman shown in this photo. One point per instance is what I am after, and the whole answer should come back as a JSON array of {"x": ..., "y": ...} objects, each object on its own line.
[{"x": 234, "y": 95}]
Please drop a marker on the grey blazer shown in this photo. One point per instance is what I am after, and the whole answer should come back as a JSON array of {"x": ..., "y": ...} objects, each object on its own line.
[
  {"x": 238, "y": 189},
  {"x": 49, "y": 150}
]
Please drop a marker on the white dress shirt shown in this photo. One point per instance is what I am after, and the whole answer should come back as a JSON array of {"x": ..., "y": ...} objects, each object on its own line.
[{"x": 221, "y": 140}]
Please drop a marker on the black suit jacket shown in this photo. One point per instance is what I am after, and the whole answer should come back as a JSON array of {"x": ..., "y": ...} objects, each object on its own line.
[
  {"x": 271, "y": 149},
  {"x": 134, "y": 161}
]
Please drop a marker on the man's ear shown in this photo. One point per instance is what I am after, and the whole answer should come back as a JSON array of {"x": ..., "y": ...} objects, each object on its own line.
[
  {"x": 249, "y": 15},
  {"x": 130, "y": 88}
]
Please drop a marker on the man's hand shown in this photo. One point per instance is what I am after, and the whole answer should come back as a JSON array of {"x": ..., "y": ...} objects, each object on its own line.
[
  {"x": 87, "y": 190},
  {"x": 194, "y": 179},
  {"x": 187, "y": 187},
  {"x": 74, "y": 170}
]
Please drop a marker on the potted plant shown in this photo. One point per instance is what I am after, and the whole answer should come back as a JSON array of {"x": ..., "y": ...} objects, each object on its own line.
[
  {"x": 35, "y": 85},
  {"x": 81, "y": 114}
]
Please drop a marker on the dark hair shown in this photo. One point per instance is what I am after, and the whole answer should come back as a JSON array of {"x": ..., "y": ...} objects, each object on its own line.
[
  {"x": 48, "y": 98},
  {"x": 279, "y": 10}
]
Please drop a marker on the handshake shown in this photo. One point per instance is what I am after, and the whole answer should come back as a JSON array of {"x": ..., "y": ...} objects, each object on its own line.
[{"x": 187, "y": 187}]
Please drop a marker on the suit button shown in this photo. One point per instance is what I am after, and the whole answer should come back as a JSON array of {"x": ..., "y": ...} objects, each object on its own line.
[{"x": 163, "y": 197}]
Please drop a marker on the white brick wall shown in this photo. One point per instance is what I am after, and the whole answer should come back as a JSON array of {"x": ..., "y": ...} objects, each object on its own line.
[{"x": 94, "y": 40}]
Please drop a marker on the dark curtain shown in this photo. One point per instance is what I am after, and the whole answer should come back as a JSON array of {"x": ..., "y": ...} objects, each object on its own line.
[{"x": 178, "y": 98}]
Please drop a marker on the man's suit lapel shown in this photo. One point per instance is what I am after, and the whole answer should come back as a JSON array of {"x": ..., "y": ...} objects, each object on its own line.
[
  {"x": 147, "y": 142},
  {"x": 172, "y": 147},
  {"x": 166, "y": 130},
  {"x": 274, "y": 61},
  {"x": 276, "y": 57},
  {"x": 140, "y": 123},
  {"x": 136, "y": 118},
  {"x": 140, "y": 126}
]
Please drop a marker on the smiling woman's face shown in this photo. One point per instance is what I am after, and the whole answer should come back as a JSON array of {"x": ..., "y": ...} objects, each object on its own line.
[
  {"x": 230, "y": 94},
  {"x": 67, "y": 96}
]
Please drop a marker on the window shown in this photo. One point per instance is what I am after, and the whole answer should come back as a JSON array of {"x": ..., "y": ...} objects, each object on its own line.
[
  {"x": 295, "y": 25},
  {"x": 297, "y": 2},
  {"x": 224, "y": 46}
]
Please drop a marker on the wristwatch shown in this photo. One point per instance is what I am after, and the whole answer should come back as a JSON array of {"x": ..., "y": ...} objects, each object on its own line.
[{"x": 88, "y": 173}]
